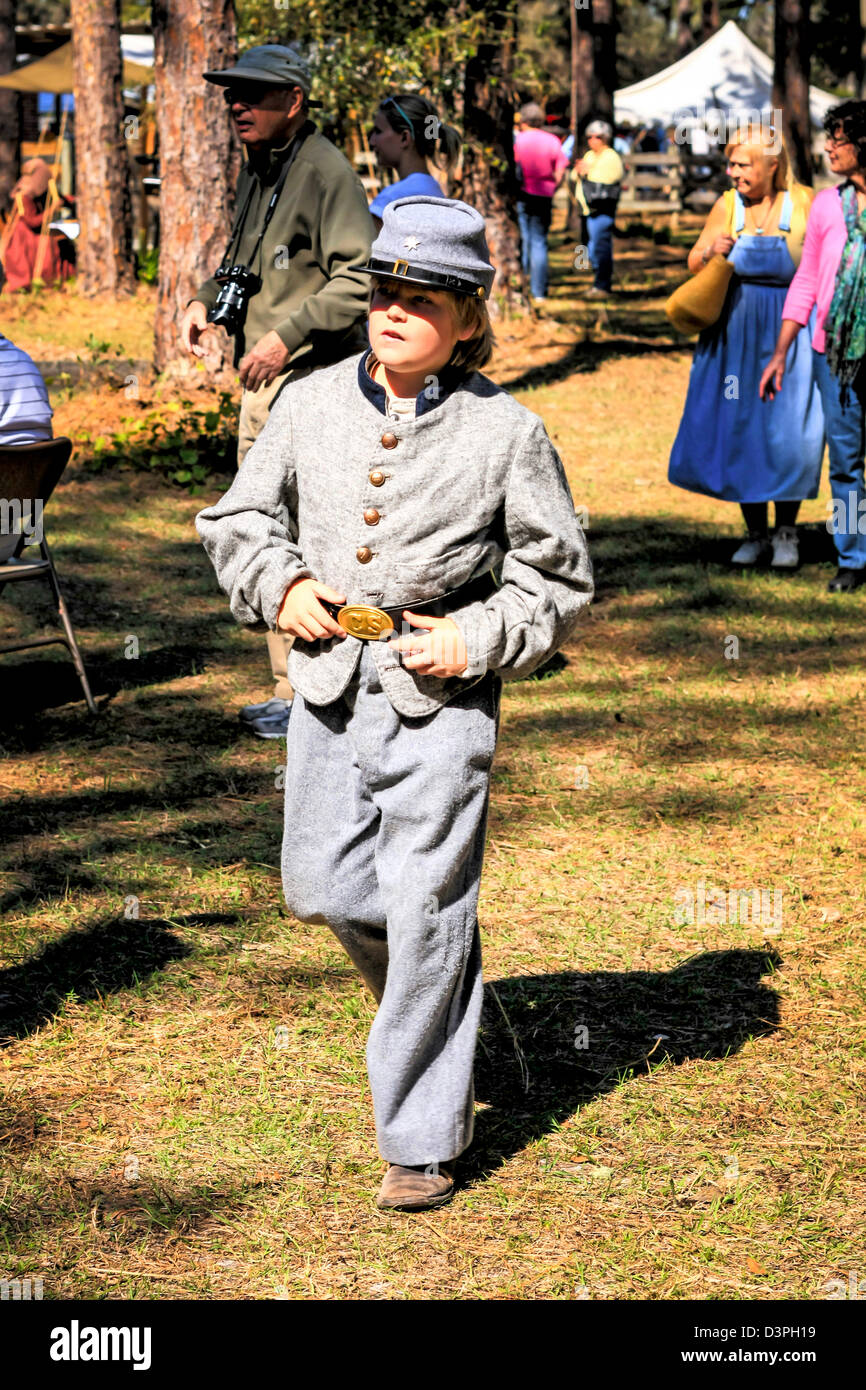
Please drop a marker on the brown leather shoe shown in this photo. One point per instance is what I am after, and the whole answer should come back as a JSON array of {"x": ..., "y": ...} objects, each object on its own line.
[{"x": 415, "y": 1189}]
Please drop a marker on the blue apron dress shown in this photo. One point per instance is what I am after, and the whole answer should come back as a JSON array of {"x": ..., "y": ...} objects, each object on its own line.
[{"x": 730, "y": 443}]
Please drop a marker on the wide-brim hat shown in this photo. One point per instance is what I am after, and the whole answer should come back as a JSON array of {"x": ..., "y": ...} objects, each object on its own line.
[
  {"x": 272, "y": 63},
  {"x": 438, "y": 242}
]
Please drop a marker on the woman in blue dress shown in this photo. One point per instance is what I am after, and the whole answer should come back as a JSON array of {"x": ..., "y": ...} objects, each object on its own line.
[
  {"x": 730, "y": 444},
  {"x": 406, "y": 134}
]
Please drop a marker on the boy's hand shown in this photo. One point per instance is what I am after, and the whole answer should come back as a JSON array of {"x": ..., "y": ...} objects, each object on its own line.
[
  {"x": 302, "y": 614},
  {"x": 440, "y": 651}
]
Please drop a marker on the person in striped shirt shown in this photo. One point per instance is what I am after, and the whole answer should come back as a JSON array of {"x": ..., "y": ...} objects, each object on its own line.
[{"x": 25, "y": 411}]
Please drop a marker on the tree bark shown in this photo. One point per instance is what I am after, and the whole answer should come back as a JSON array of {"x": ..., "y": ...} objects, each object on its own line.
[
  {"x": 603, "y": 57},
  {"x": 104, "y": 247},
  {"x": 791, "y": 82},
  {"x": 199, "y": 163},
  {"x": 593, "y": 28},
  {"x": 489, "y": 182},
  {"x": 710, "y": 20},
  {"x": 572, "y": 221},
  {"x": 8, "y": 104},
  {"x": 685, "y": 34},
  {"x": 583, "y": 65}
]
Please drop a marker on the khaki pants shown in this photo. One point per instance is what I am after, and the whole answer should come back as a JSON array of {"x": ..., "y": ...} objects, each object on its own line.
[{"x": 255, "y": 407}]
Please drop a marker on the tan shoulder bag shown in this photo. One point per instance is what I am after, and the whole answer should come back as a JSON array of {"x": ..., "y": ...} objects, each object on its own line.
[{"x": 698, "y": 302}]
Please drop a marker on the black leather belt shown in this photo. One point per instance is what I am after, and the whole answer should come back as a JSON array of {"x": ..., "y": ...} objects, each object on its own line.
[{"x": 369, "y": 623}]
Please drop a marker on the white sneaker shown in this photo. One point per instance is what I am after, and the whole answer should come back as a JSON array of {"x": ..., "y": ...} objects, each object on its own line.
[
  {"x": 786, "y": 548},
  {"x": 756, "y": 547}
]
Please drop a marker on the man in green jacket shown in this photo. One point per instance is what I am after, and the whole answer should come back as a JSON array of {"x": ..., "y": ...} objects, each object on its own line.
[{"x": 306, "y": 248}]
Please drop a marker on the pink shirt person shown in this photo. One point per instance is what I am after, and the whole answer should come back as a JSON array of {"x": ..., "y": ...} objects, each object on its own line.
[
  {"x": 540, "y": 156},
  {"x": 816, "y": 274}
]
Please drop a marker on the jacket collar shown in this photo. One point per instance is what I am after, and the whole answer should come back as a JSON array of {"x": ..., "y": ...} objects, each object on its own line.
[
  {"x": 267, "y": 163},
  {"x": 449, "y": 381}
]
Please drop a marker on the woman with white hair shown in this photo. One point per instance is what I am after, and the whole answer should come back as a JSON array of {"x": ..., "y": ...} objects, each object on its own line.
[
  {"x": 601, "y": 174},
  {"x": 730, "y": 443}
]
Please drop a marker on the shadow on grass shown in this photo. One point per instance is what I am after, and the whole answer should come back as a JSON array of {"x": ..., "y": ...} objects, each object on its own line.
[
  {"x": 535, "y": 1068},
  {"x": 110, "y": 956},
  {"x": 39, "y": 685},
  {"x": 641, "y": 552},
  {"x": 587, "y": 356}
]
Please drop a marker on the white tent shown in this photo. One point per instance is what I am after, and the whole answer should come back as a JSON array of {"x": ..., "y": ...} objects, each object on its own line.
[
  {"x": 721, "y": 80},
  {"x": 138, "y": 48}
]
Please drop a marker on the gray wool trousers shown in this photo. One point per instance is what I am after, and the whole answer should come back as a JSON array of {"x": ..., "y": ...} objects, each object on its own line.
[{"x": 385, "y": 819}]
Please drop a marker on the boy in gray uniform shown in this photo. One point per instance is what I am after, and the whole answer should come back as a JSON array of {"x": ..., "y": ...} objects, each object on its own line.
[{"x": 402, "y": 487}]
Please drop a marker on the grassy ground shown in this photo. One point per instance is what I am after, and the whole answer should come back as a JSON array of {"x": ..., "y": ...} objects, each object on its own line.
[{"x": 668, "y": 1109}]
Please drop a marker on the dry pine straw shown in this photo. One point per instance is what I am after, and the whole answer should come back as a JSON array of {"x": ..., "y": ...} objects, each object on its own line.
[{"x": 161, "y": 1138}]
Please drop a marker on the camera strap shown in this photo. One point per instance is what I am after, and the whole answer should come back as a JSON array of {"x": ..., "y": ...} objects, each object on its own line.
[{"x": 269, "y": 211}]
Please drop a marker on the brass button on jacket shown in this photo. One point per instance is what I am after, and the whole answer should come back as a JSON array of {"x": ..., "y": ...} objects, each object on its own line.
[
  {"x": 364, "y": 554},
  {"x": 389, "y": 440},
  {"x": 371, "y": 516},
  {"x": 377, "y": 477}
]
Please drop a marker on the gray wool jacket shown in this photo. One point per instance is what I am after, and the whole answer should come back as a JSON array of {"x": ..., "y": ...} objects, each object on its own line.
[{"x": 472, "y": 483}]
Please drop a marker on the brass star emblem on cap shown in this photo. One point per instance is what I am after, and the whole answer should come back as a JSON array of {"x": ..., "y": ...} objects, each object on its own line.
[{"x": 411, "y": 242}]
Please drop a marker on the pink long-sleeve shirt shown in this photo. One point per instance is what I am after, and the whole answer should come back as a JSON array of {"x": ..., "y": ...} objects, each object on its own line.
[
  {"x": 540, "y": 156},
  {"x": 815, "y": 279}
]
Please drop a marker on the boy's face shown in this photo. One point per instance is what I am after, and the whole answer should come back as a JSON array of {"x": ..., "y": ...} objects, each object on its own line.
[{"x": 412, "y": 328}]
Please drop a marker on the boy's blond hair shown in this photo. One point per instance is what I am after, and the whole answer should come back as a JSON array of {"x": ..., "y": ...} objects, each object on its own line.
[{"x": 467, "y": 311}]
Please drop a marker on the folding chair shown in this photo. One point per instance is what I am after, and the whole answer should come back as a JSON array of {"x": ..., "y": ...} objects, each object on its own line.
[{"x": 29, "y": 474}]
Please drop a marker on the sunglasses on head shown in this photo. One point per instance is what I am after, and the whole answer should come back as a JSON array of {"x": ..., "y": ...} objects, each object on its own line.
[{"x": 389, "y": 101}]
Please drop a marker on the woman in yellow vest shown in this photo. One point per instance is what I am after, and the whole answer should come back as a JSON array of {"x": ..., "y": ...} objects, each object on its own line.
[
  {"x": 729, "y": 444},
  {"x": 598, "y": 190}
]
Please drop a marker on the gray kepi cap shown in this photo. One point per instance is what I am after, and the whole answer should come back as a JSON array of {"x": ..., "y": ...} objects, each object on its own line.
[
  {"x": 438, "y": 242},
  {"x": 273, "y": 63}
]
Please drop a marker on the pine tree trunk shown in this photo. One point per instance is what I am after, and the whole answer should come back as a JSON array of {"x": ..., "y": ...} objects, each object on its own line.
[
  {"x": 489, "y": 182},
  {"x": 685, "y": 34},
  {"x": 582, "y": 73},
  {"x": 8, "y": 104},
  {"x": 593, "y": 28},
  {"x": 791, "y": 82},
  {"x": 198, "y": 163},
  {"x": 573, "y": 217},
  {"x": 104, "y": 248},
  {"x": 593, "y": 60},
  {"x": 604, "y": 28}
]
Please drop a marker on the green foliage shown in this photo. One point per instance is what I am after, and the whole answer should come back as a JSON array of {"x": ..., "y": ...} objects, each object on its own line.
[
  {"x": 99, "y": 346},
  {"x": 42, "y": 12},
  {"x": 147, "y": 265},
  {"x": 408, "y": 43},
  {"x": 836, "y": 41},
  {"x": 187, "y": 449}
]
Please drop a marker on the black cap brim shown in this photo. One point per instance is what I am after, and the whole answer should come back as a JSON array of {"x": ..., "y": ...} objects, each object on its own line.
[{"x": 417, "y": 275}]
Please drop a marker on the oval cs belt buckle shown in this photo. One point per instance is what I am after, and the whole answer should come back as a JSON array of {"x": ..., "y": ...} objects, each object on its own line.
[{"x": 360, "y": 620}]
